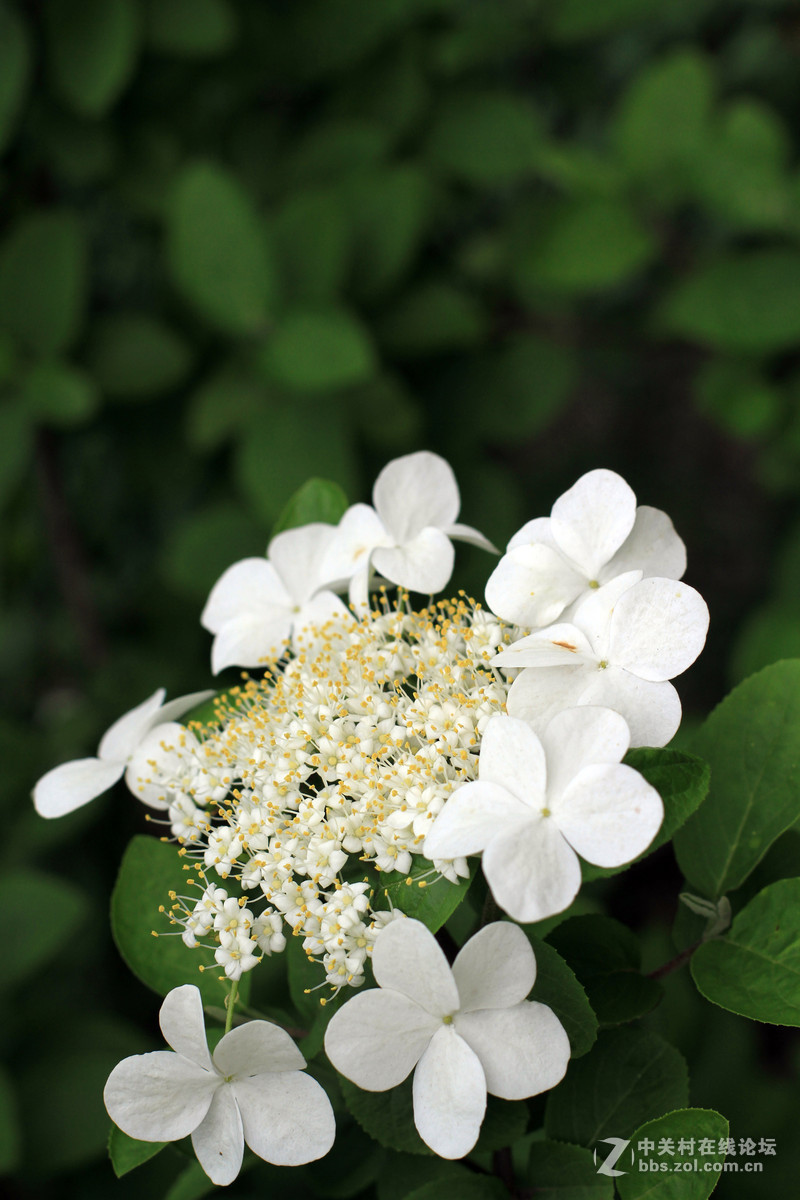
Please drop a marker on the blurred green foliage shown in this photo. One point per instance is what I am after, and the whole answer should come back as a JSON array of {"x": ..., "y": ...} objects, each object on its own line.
[{"x": 246, "y": 242}]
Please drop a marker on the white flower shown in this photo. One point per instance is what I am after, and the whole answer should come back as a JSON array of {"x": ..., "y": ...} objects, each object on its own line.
[
  {"x": 535, "y": 803},
  {"x": 251, "y": 1090},
  {"x": 626, "y": 640},
  {"x": 74, "y": 784},
  {"x": 594, "y": 533},
  {"x": 260, "y": 602},
  {"x": 467, "y": 1030},
  {"x": 406, "y": 536}
]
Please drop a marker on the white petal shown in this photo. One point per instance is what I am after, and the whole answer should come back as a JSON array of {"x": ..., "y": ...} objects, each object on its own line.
[
  {"x": 652, "y": 547},
  {"x": 556, "y": 646},
  {"x": 158, "y": 1097},
  {"x": 609, "y": 814},
  {"x": 297, "y": 555},
  {"x": 513, "y": 757},
  {"x": 315, "y": 614},
  {"x": 495, "y": 969},
  {"x": 651, "y": 710},
  {"x": 533, "y": 872},
  {"x": 523, "y": 1050},
  {"x": 414, "y": 491},
  {"x": 471, "y": 817},
  {"x": 250, "y": 641},
  {"x": 358, "y": 533},
  {"x": 532, "y": 585},
  {"x": 162, "y": 752},
  {"x": 466, "y": 533},
  {"x": 251, "y": 586},
  {"x": 256, "y": 1047},
  {"x": 578, "y": 738},
  {"x": 218, "y": 1141},
  {"x": 449, "y": 1095},
  {"x": 287, "y": 1118},
  {"x": 358, "y": 591},
  {"x": 592, "y": 520},
  {"x": 537, "y": 530},
  {"x": 125, "y": 734},
  {"x": 377, "y": 1038},
  {"x": 183, "y": 1026},
  {"x": 74, "y": 784},
  {"x": 408, "y": 959},
  {"x": 181, "y": 705},
  {"x": 422, "y": 564},
  {"x": 658, "y": 629},
  {"x": 537, "y": 696},
  {"x": 593, "y": 614}
]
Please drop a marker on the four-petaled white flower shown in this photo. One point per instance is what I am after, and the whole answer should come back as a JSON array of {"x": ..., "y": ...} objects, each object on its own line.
[
  {"x": 258, "y": 603},
  {"x": 252, "y": 1089},
  {"x": 536, "y": 802},
  {"x": 406, "y": 536},
  {"x": 626, "y": 640},
  {"x": 594, "y": 533},
  {"x": 74, "y": 784},
  {"x": 467, "y": 1030}
]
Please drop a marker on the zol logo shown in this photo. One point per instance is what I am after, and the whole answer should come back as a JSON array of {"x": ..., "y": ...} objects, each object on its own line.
[{"x": 618, "y": 1145}]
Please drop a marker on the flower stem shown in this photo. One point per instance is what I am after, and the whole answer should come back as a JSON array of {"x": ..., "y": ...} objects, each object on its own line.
[
  {"x": 230, "y": 1004},
  {"x": 668, "y": 967}
]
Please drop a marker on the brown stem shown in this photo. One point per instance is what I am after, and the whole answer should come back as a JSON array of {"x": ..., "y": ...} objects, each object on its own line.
[
  {"x": 503, "y": 1166},
  {"x": 675, "y": 963}
]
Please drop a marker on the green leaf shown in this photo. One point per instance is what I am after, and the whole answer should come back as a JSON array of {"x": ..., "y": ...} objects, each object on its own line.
[
  {"x": 557, "y": 987},
  {"x": 485, "y": 138},
  {"x": 126, "y": 1152},
  {"x": 136, "y": 355},
  {"x": 16, "y": 448},
  {"x": 504, "y": 1123},
  {"x": 224, "y": 405},
  {"x": 319, "y": 350},
  {"x": 190, "y": 28},
  {"x": 44, "y": 914},
  {"x": 149, "y": 871},
  {"x": 15, "y": 71},
  {"x": 558, "y": 1171},
  {"x": 468, "y": 1187},
  {"x": 200, "y": 546},
  {"x": 10, "y": 1133},
  {"x": 682, "y": 781},
  {"x": 414, "y": 894},
  {"x": 403, "y": 1174},
  {"x": 742, "y": 174},
  {"x": 689, "y": 1125},
  {"x": 331, "y": 150},
  {"x": 311, "y": 236},
  {"x": 606, "y": 958},
  {"x": 431, "y": 318},
  {"x": 574, "y": 20},
  {"x": 738, "y": 398},
  {"x": 93, "y": 46},
  {"x": 755, "y": 969},
  {"x": 191, "y": 1184},
  {"x": 747, "y": 302},
  {"x": 217, "y": 250},
  {"x": 585, "y": 245},
  {"x": 628, "y": 1076},
  {"x": 317, "y": 500},
  {"x": 60, "y": 394},
  {"x": 389, "y": 211},
  {"x": 348, "y": 1169},
  {"x": 388, "y": 1117},
  {"x": 43, "y": 281},
  {"x": 752, "y": 743}
]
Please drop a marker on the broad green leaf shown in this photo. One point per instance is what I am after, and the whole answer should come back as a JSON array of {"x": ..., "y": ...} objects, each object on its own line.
[
  {"x": 190, "y": 28},
  {"x": 348, "y": 1169},
  {"x": 574, "y": 20},
  {"x": 682, "y": 781},
  {"x": 628, "y": 1076},
  {"x": 44, "y": 914},
  {"x": 403, "y": 1174},
  {"x": 431, "y": 318},
  {"x": 389, "y": 211},
  {"x": 739, "y": 398},
  {"x": 331, "y": 150},
  {"x": 558, "y": 1171},
  {"x": 485, "y": 138},
  {"x": 126, "y": 1152},
  {"x": 15, "y": 71},
  {"x": 388, "y": 1117},
  {"x": 43, "y": 281},
  {"x": 504, "y": 1123},
  {"x": 10, "y": 1133},
  {"x": 93, "y": 46},
  {"x": 687, "y": 1126},
  {"x": 134, "y": 354},
  {"x": 755, "y": 969},
  {"x": 313, "y": 998},
  {"x": 742, "y": 174},
  {"x": 767, "y": 635},
  {"x": 217, "y": 249},
  {"x": 311, "y": 236},
  {"x": 191, "y": 1184},
  {"x": 59, "y": 394},
  {"x": 416, "y": 896},
  {"x": 468, "y": 1187},
  {"x": 746, "y": 301},
  {"x": 319, "y": 350},
  {"x": 149, "y": 871},
  {"x": 205, "y": 543},
  {"x": 317, "y": 500},
  {"x": 16, "y": 447},
  {"x": 752, "y": 743},
  {"x": 606, "y": 958},
  {"x": 557, "y": 987},
  {"x": 224, "y": 405},
  {"x": 585, "y": 246},
  {"x": 529, "y": 380}
]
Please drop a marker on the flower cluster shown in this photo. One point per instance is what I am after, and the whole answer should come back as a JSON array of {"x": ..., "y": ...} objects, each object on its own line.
[{"x": 371, "y": 738}]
